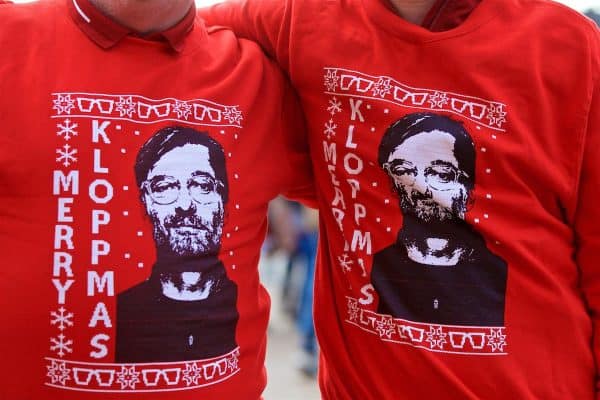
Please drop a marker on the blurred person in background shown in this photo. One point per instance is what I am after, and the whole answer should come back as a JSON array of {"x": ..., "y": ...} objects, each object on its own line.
[
  {"x": 138, "y": 153},
  {"x": 522, "y": 77},
  {"x": 293, "y": 233},
  {"x": 307, "y": 252}
]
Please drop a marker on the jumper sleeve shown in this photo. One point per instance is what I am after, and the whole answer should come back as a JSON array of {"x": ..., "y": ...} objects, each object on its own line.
[
  {"x": 587, "y": 217},
  {"x": 266, "y": 22},
  {"x": 299, "y": 180}
]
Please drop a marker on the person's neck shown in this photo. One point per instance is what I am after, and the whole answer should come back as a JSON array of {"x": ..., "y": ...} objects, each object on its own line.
[
  {"x": 434, "y": 243},
  {"x": 145, "y": 16},
  {"x": 434, "y": 252},
  {"x": 413, "y": 11},
  {"x": 187, "y": 286}
]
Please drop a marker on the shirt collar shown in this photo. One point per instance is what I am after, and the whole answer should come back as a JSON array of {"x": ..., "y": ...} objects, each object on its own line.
[{"x": 106, "y": 32}]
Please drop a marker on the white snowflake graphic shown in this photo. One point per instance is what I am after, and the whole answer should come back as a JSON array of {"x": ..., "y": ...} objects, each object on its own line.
[
  {"x": 382, "y": 87},
  {"x": 128, "y": 377},
  {"x": 385, "y": 327},
  {"x": 66, "y": 129},
  {"x": 353, "y": 310},
  {"x": 191, "y": 374},
  {"x": 232, "y": 361},
  {"x": 330, "y": 128},
  {"x": 58, "y": 372},
  {"x": 335, "y": 106},
  {"x": 435, "y": 337},
  {"x": 345, "y": 263},
  {"x": 331, "y": 80},
  {"x": 61, "y": 345},
  {"x": 126, "y": 106},
  {"x": 63, "y": 104},
  {"x": 183, "y": 109},
  {"x": 496, "y": 340},
  {"x": 233, "y": 115},
  {"x": 496, "y": 114},
  {"x": 438, "y": 100},
  {"x": 61, "y": 318},
  {"x": 66, "y": 155}
]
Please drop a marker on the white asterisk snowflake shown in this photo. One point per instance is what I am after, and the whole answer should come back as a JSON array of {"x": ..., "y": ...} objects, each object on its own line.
[
  {"x": 438, "y": 100},
  {"x": 128, "y": 377},
  {"x": 345, "y": 263},
  {"x": 335, "y": 106},
  {"x": 331, "y": 80},
  {"x": 496, "y": 340},
  {"x": 353, "y": 310},
  {"x": 191, "y": 374},
  {"x": 126, "y": 106},
  {"x": 183, "y": 109},
  {"x": 382, "y": 87},
  {"x": 436, "y": 337},
  {"x": 233, "y": 360},
  {"x": 66, "y": 155},
  {"x": 496, "y": 114},
  {"x": 385, "y": 327},
  {"x": 233, "y": 115},
  {"x": 63, "y": 104},
  {"x": 62, "y": 318},
  {"x": 330, "y": 128},
  {"x": 67, "y": 129},
  {"x": 58, "y": 372},
  {"x": 61, "y": 345}
]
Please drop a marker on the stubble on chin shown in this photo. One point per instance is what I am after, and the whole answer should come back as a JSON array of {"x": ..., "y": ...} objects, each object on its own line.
[
  {"x": 202, "y": 242},
  {"x": 427, "y": 210},
  {"x": 184, "y": 242}
]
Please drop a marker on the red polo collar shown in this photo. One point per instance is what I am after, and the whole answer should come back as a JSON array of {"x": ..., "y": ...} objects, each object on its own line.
[{"x": 106, "y": 32}]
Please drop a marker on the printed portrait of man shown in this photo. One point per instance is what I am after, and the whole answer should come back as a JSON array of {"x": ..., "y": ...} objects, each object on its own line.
[
  {"x": 439, "y": 270},
  {"x": 186, "y": 309}
]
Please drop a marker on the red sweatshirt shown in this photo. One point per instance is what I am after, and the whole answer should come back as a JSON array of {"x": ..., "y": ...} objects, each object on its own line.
[
  {"x": 134, "y": 180},
  {"x": 457, "y": 173}
]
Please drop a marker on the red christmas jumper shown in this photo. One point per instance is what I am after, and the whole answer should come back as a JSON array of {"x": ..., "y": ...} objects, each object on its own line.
[
  {"x": 135, "y": 174},
  {"x": 457, "y": 173}
]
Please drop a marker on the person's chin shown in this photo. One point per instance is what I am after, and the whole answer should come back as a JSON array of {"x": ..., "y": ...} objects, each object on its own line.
[
  {"x": 185, "y": 230},
  {"x": 431, "y": 218},
  {"x": 191, "y": 245}
]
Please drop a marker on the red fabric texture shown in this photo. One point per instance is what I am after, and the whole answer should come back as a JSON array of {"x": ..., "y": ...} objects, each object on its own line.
[
  {"x": 527, "y": 97},
  {"x": 81, "y": 232}
]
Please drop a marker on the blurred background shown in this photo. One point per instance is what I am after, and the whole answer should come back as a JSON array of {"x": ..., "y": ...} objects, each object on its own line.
[{"x": 287, "y": 270}]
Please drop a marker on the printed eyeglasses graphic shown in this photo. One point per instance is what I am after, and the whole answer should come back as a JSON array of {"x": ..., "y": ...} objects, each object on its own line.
[
  {"x": 165, "y": 189},
  {"x": 440, "y": 175}
]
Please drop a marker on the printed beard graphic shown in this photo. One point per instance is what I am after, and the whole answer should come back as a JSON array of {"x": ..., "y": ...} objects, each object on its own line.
[
  {"x": 439, "y": 270},
  {"x": 186, "y": 233},
  {"x": 186, "y": 309},
  {"x": 423, "y": 207}
]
